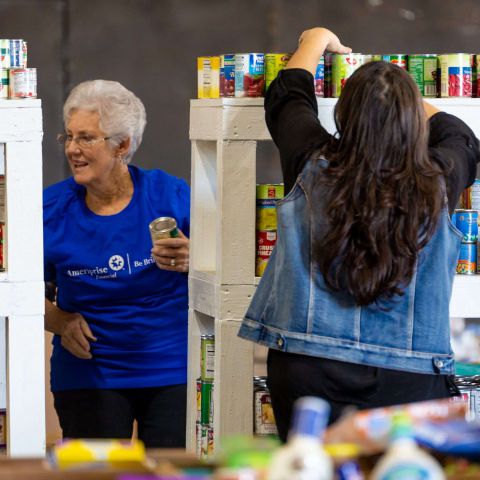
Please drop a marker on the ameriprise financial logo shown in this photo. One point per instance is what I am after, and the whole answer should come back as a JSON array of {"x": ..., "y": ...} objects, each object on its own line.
[{"x": 115, "y": 264}]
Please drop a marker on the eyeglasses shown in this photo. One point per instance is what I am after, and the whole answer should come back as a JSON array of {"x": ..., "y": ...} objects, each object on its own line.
[{"x": 84, "y": 141}]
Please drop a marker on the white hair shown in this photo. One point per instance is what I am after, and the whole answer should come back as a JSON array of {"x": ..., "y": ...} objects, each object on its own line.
[{"x": 121, "y": 113}]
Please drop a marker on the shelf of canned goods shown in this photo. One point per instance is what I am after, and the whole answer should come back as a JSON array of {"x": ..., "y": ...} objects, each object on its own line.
[
  {"x": 224, "y": 133},
  {"x": 21, "y": 281}
]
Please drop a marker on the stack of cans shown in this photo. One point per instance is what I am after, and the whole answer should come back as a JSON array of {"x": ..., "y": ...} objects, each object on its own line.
[
  {"x": 266, "y": 223},
  {"x": 467, "y": 222},
  {"x": 16, "y": 80},
  {"x": 204, "y": 424},
  {"x": 469, "y": 387},
  {"x": 263, "y": 418}
]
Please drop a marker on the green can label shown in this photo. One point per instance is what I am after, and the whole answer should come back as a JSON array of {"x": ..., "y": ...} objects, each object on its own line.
[
  {"x": 207, "y": 389},
  {"x": 342, "y": 68},
  {"x": 274, "y": 62},
  {"x": 423, "y": 69}
]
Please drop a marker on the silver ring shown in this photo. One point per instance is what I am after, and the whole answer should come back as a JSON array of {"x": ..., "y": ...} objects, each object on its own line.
[{"x": 172, "y": 262}]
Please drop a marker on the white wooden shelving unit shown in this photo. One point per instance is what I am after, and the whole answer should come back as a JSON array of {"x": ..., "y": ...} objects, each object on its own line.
[
  {"x": 21, "y": 285},
  {"x": 224, "y": 134}
]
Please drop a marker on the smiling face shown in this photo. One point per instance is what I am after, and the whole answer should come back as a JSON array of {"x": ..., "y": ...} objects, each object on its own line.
[{"x": 97, "y": 164}]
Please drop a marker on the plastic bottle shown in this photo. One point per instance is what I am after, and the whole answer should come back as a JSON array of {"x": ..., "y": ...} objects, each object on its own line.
[
  {"x": 303, "y": 456},
  {"x": 404, "y": 459}
]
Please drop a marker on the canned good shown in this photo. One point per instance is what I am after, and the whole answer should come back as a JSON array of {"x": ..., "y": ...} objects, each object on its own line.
[
  {"x": 264, "y": 420},
  {"x": 210, "y": 442},
  {"x": 467, "y": 222},
  {"x": 207, "y": 388},
  {"x": 3, "y": 427},
  {"x": 2, "y": 241},
  {"x": 4, "y": 83},
  {"x": 266, "y": 200},
  {"x": 274, "y": 62},
  {"x": 24, "y": 54},
  {"x": 423, "y": 69},
  {"x": 398, "y": 59},
  {"x": 455, "y": 75},
  {"x": 23, "y": 83},
  {"x": 249, "y": 74},
  {"x": 342, "y": 68},
  {"x": 327, "y": 79},
  {"x": 208, "y": 77},
  {"x": 4, "y": 53},
  {"x": 163, "y": 227},
  {"x": 470, "y": 198},
  {"x": 319, "y": 79},
  {"x": 207, "y": 357},
  {"x": 16, "y": 54},
  {"x": 227, "y": 75},
  {"x": 199, "y": 398},
  {"x": 467, "y": 261},
  {"x": 265, "y": 243},
  {"x": 204, "y": 442},
  {"x": 198, "y": 439}
]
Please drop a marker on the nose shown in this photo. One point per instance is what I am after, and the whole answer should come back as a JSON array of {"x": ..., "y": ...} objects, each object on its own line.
[{"x": 71, "y": 147}]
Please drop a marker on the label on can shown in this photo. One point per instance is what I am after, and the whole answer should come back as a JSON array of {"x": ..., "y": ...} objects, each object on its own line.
[
  {"x": 467, "y": 261},
  {"x": 265, "y": 243},
  {"x": 4, "y": 53},
  {"x": 163, "y": 227},
  {"x": 207, "y": 388},
  {"x": 264, "y": 418},
  {"x": 208, "y": 77},
  {"x": 423, "y": 69},
  {"x": 274, "y": 62},
  {"x": 198, "y": 439},
  {"x": 23, "y": 83},
  {"x": 342, "y": 68},
  {"x": 249, "y": 75},
  {"x": 319, "y": 79},
  {"x": 4, "y": 83},
  {"x": 210, "y": 442},
  {"x": 227, "y": 75},
  {"x": 467, "y": 222},
  {"x": 3, "y": 427},
  {"x": 455, "y": 75},
  {"x": 398, "y": 59},
  {"x": 2, "y": 233},
  {"x": 327, "y": 72},
  {"x": 16, "y": 54},
  {"x": 199, "y": 399},
  {"x": 207, "y": 357}
]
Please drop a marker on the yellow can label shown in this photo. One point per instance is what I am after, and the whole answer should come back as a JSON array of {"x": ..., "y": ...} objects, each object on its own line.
[{"x": 208, "y": 76}]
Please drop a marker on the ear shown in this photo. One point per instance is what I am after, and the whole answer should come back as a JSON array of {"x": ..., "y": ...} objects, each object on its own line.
[{"x": 123, "y": 147}]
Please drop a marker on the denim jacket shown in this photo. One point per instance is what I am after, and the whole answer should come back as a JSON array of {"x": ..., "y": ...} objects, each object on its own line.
[{"x": 293, "y": 310}]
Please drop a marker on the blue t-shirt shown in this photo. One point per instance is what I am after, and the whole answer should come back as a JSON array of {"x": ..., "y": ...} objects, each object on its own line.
[{"x": 104, "y": 270}]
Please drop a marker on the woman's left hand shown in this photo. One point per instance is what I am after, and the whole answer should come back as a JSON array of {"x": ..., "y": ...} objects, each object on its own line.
[{"x": 172, "y": 254}]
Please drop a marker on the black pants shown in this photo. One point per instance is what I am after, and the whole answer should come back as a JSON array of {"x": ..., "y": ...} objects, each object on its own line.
[
  {"x": 98, "y": 413},
  {"x": 342, "y": 384}
]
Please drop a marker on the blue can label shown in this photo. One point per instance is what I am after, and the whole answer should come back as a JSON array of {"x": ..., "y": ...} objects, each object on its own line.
[
  {"x": 227, "y": 75},
  {"x": 320, "y": 78},
  {"x": 249, "y": 75},
  {"x": 467, "y": 262},
  {"x": 467, "y": 222}
]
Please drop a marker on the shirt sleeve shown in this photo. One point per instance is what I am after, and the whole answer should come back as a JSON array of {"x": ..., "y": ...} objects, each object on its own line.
[
  {"x": 291, "y": 114},
  {"x": 454, "y": 146}
]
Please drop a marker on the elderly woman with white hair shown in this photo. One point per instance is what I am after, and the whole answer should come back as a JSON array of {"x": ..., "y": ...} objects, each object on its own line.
[{"x": 120, "y": 316}]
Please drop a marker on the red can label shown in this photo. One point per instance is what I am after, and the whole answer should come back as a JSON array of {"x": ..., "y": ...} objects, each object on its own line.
[{"x": 265, "y": 242}]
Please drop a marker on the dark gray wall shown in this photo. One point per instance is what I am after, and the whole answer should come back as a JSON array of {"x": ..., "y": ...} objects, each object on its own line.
[{"x": 151, "y": 47}]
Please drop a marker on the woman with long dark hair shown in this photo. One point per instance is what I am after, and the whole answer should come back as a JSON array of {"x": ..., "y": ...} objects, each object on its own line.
[{"x": 354, "y": 303}]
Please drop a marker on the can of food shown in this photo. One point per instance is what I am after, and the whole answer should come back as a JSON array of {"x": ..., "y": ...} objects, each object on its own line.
[
  {"x": 207, "y": 357},
  {"x": 249, "y": 74},
  {"x": 198, "y": 439},
  {"x": 266, "y": 241},
  {"x": 2, "y": 242},
  {"x": 24, "y": 54},
  {"x": 327, "y": 72},
  {"x": 319, "y": 79},
  {"x": 208, "y": 77},
  {"x": 211, "y": 409},
  {"x": 467, "y": 261},
  {"x": 342, "y": 68},
  {"x": 266, "y": 212},
  {"x": 264, "y": 420},
  {"x": 372, "y": 58},
  {"x": 16, "y": 54},
  {"x": 163, "y": 227},
  {"x": 474, "y": 64},
  {"x": 227, "y": 75},
  {"x": 398, "y": 59},
  {"x": 204, "y": 442},
  {"x": 274, "y": 62},
  {"x": 467, "y": 222},
  {"x": 199, "y": 399},
  {"x": 423, "y": 69},
  {"x": 4, "y": 83},
  {"x": 4, "y": 53},
  {"x": 210, "y": 442},
  {"x": 207, "y": 388},
  {"x": 23, "y": 83},
  {"x": 3, "y": 427},
  {"x": 455, "y": 75}
]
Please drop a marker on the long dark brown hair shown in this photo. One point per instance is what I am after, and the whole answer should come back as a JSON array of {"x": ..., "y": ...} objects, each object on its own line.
[{"x": 382, "y": 192}]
